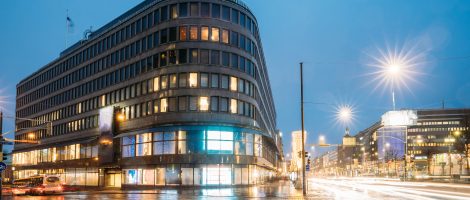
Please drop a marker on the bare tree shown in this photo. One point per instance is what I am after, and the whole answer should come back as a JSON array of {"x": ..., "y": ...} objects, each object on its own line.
[{"x": 462, "y": 141}]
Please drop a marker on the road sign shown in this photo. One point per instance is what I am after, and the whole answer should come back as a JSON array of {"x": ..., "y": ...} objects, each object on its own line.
[{"x": 3, "y": 166}]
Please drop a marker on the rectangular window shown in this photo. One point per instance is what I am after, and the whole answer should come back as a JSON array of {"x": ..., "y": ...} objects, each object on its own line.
[
  {"x": 204, "y": 80},
  {"x": 242, "y": 42},
  {"x": 215, "y": 10},
  {"x": 183, "y": 9},
  {"x": 194, "y": 7},
  {"x": 173, "y": 79},
  {"x": 204, "y": 33},
  {"x": 226, "y": 13},
  {"x": 144, "y": 144},
  {"x": 233, "y": 83},
  {"x": 225, "y": 59},
  {"x": 192, "y": 103},
  {"x": 214, "y": 104},
  {"x": 163, "y": 58},
  {"x": 224, "y": 82},
  {"x": 163, "y": 105},
  {"x": 183, "y": 33},
  {"x": 193, "y": 56},
  {"x": 182, "y": 103},
  {"x": 172, "y": 104},
  {"x": 223, "y": 104},
  {"x": 205, "y": 10},
  {"x": 183, "y": 80},
  {"x": 215, "y": 56},
  {"x": 164, "y": 13},
  {"x": 234, "y": 38},
  {"x": 225, "y": 36},
  {"x": 215, "y": 34},
  {"x": 234, "y": 61},
  {"x": 173, "y": 34},
  {"x": 173, "y": 11},
  {"x": 193, "y": 80},
  {"x": 203, "y": 103},
  {"x": 156, "y": 84},
  {"x": 193, "y": 33},
  {"x": 214, "y": 80},
  {"x": 242, "y": 19},
  {"x": 172, "y": 57},
  {"x": 164, "y": 82},
  {"x": 182, "y": 56},
  {"x": 241, "y": 85},
  {"x": 204, "y": 57},
  {"x": 233, "y": 106},
  {"x": 234, "y": 16},
  {"x": 163, "y": 36}
]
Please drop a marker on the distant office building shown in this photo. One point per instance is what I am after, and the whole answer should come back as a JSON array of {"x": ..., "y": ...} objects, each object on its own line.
[{"x": 169, "y": 93}]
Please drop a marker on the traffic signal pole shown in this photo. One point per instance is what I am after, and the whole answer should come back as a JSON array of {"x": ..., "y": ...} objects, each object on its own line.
[{"x": 1, "y": 151}]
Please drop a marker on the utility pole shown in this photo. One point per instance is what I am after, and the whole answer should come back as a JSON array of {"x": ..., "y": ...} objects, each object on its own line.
[{"x": 304, "y": 191}]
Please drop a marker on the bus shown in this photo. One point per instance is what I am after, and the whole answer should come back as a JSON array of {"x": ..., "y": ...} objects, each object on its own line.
[{"x": 37, "y": 185}]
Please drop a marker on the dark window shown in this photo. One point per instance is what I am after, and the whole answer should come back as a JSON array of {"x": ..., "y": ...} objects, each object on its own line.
[
  {"x": 215, "y": 10},
  {"x": 214, "y": 80},
  {"x": 155, "y": 39},
  {"x": 223, "y": 104},
  {"x": 182, "y": 56},
  {"x": 183, "y": 80},
  {"x": 182, "y": 103},
  {"x": 224, "y": 81},
  {"x": 214, "y": 104},
  {"x": 156, "y": 17},
  {"x": 173, "y": 34},
  {"x": 234, "y": 61},
  {"x": 225, "y": 13},
  {"x": 205, "y": 10},
  {"x": 194, "y": 9},
  {"x": 193, "y": 55},
  {"x": 234, "y": 16},
  {"x": 163, "y": 59},
  {"x": 234, "y": 38},
  {"x": 242, "y": 42},
  {"x": 183, "y": 9},
  {"x": 164, "y": 13},
  {"x": 242, "y": 19},
  {"x": 204, "y": 56},
  {"x": 163, "y": 36},
  {"x": 215, "y": 57},
  {"x": 242, "y": 63},
  {"x": 172, "y": 57},
  {"x": 225, "y": 59},
  {"x": 172, "y": 104}
]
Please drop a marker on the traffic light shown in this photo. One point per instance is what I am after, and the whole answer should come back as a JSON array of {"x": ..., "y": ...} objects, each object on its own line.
[
  {"x": 306, "y": 154},
  {"x": 3, "y": 156},
  {"x": 308, "y": 161}
]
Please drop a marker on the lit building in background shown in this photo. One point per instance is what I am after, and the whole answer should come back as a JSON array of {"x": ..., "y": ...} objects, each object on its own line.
[
  {"x": 169, "y": 93},
  {"x": 296, "y": 161}
]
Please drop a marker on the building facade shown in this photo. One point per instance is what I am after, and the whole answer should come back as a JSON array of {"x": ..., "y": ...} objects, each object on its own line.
[{"x": 170, "y": 93}]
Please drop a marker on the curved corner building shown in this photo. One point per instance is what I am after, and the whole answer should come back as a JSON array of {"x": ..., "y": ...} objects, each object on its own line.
[{"x": 170, "y": 93}]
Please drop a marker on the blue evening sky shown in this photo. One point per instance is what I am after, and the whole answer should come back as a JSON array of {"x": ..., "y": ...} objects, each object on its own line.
[{"x": 335, "y": 39}]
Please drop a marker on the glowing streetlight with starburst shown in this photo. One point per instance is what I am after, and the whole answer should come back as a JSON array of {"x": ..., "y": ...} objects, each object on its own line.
[
  {"x": 345, "y": 114},
  {"x": 396, "y": 67}
]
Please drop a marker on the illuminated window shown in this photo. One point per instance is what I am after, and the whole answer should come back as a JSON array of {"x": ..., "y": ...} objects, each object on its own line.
[
  {"x": 233, "y": 106},
  {"x": 173, "y": 79},
  {"x": 173, "y": 11},
  {"x": 183, "y": 33},
  {"x": 192, "y": 80},
  {"x": 203, "y": 103},
  {"x": 103, "y": 100},
  {"x": 219, "y": 142},
  {"x": 163, "y": 105},
  {"x": 233, "y": 83},
  {"x": 225, "y": 36},
  {"x": 193, "y": 56},
  {"x": 155, "y": 106},
  {"x": 204, "y": 33},
  {"x": 144, "y": 144},
  {"x": 164, "y": 82},
  {"x": 193, "y": 34},
  {"x": 215, "y": 34}
]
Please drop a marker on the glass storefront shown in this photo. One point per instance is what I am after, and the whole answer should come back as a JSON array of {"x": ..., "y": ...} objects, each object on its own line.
[
  {"x": 198, "y": 175},
  {"x": 68, "y": 176}
]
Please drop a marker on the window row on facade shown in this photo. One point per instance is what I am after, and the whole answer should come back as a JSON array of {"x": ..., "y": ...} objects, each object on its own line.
[
  {"x": 138, "y": 26},
  {"x": 170, "y": 57},
  {"x": 163, "y": 82},
  {"x": 60, "y": 129},
  {"x": 193, "y": 142},
  {"x": 54, "y": 154},
  {"x": 188, "y": 104},
  {"x": 68, "y": 176}
]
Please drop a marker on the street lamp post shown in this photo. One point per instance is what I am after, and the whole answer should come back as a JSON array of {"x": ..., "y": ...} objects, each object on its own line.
[{"x": 304, "y": 191}]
